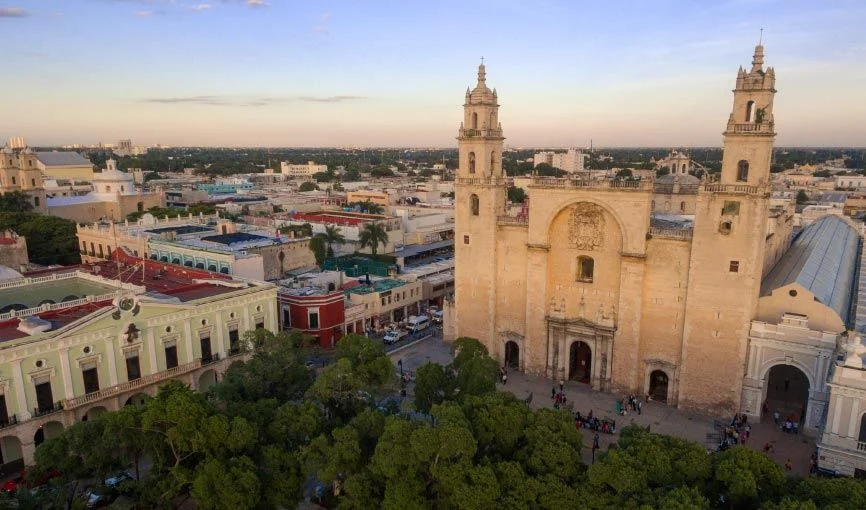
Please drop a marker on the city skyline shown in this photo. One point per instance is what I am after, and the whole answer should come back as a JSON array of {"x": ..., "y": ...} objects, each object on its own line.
[{"x": 256, "y": 73}]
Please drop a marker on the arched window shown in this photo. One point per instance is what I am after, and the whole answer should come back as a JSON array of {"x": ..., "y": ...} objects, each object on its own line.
[
  {"x": 750, "y": 111},
  {"x": 33, "y": 182},
  {"x": 471, "y": 162},
  {"x": 492, "y": 120},
  {"x": 473, "y": 201},
  {"x": 474, "y": 120},
  {"x": 743, "y": 170},
  {"x": 492, "y": 161},
  {"x": 682, "y": 206},
  {"x": 585, "y": 268},
  {"x": 13, "y": 181},
  {"x": 861, "y": 437},
  {"x": 36, "y": 201}
]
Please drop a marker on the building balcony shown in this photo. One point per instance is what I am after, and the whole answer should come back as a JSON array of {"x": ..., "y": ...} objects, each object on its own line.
[
  {"x": 512, "y": 221},
  {"x": 481, "y": 181},
  {"x": 734, "y": 188},
  {"x": 45, "y": 411},
  {"x": 607, "y": 184},
  {"x": 8, "y": 422},
  {"x": 472, "y": 133},
  {"x": 683, "y": 234},
  {"x": 751, "y": 127},
  {"x": 861, "y": 446}
]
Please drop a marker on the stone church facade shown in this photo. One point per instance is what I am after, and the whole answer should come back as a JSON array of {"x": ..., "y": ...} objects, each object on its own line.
[{"x": 594, "y": 285}]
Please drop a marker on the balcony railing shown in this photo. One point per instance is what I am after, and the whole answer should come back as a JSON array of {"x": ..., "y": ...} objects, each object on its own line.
[
  {"x": 131, "y": 385},
  {"x": 671, "y": 233},
  {"x": 733, "y": 188},
  {"x": 751, "y": 127},
  {"x": 469, "y": 133},
  {"x": 210, "y": 358},
  {"x": 517, "y": 221},
  {"x": 481, "y": 181},
  {"x": 43, "y": 411},
  {"x": 609, "y": 184},
  {"x": 861, "y": 446},
  {"x": 8, "y": 422}
]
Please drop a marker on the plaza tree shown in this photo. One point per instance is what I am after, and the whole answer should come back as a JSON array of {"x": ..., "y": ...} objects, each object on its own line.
[
  {"x": 372, "y": 235},
  {"x": 516, "y": 195},
  {"x": 333, "y": 236}
]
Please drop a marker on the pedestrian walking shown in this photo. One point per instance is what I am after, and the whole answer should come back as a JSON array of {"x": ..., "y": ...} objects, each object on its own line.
[
  {"x": 553, "y": 392},
  {"x": 639, "y": 406},
  {"x": 504, "y": 379},
  {"x": 776, "y": 417},
  {"x": 561, "y": 385},
  {"x": 788, "y": 466}
]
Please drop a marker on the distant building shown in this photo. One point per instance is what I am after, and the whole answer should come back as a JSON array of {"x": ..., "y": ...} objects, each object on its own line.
[
  {"x": 376, "y": 197},
  {"x": 315, "y": 305},
  {"x": 855, "y": 182},
  {"x": 19, "y": 172},
  {"x": 65, "y": 165},
  {"x": 308, "y": 170},
  {"x": 570, "y": 161},
  {"x": 202, "y": 242},
  {"x": 677, "y": 163},
  {"x": 84, "y": 340},
  {"x": 114, "y": 196},
  {"x": 125, "y": 148}
]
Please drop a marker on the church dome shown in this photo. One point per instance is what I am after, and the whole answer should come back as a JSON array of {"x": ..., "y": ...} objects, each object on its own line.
[{"x": 112, "y": 175}]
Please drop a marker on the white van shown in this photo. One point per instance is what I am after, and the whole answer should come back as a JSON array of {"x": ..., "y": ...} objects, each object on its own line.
[
  {"x": 419, "y": 323},
  {"x": 437, "y": 316}
]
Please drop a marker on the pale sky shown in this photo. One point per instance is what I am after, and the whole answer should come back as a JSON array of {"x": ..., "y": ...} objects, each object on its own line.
[{"x": 388, "y": 73}]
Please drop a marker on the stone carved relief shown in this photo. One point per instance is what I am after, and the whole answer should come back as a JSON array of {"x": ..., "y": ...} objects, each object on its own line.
[{"x": 586, "y": 227}]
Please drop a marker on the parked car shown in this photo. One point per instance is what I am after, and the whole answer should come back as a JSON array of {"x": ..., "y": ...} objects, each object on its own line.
[
  {"x": 437, "y": 317},
  {"x": 394, "y": 336},
  {"x": 11, "y": 486},
  {"x": 108, "y": 491},
  {"x": 418, "y": 323}
]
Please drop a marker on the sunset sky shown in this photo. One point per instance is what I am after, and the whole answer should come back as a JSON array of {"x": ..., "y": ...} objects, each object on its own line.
[{"x": 386, "y": 73}]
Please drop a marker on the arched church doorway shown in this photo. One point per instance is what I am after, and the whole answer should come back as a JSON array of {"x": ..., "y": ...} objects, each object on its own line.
[
  {"x": 658, "y": 389},
  {"x": 787, "y": 393},
  {"x": 580, "y": 362},
  {"x": 512, "y": 355}
]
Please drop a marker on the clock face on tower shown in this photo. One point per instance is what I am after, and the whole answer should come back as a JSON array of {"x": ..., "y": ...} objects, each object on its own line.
[{"x": 126, "y": 304}]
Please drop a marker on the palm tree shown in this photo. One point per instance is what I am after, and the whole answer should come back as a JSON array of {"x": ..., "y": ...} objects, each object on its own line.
[
  {"x": 333, "y": 235},
  {"x": 372, "y": 235},
  {"x": 372, "y": 207}
]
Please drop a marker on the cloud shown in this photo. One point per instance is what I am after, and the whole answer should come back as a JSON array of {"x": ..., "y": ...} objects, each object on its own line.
[
  {"x": 330, "y": 99},
  {"x": 257, "y": 3},
  {"x": 200, "y": 7},
  {"x": 12, "y": 12},
  {"x": 254, "y": 101},
  {"x": 142, "y": 14},
  {"x": 320, "y": 29}
]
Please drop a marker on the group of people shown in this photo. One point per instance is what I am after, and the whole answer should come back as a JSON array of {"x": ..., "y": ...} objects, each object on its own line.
[
  {"x": 594, "y": 423},
  {"x": 737, "y": 432},
  {"x": 791, "y": 425},
  {"x": 629, "y": 403}
]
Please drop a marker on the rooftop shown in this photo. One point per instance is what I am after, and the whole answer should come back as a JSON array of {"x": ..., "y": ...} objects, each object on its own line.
[
  {"x": 823, "y": 260},
  {"x": 66, "y": 294},
  {"x": 376, "y": 286},
  {"x": 55, "y": 158}
]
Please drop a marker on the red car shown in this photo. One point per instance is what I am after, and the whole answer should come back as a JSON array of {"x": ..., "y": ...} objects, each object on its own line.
[{"x": 11, "y": 486}]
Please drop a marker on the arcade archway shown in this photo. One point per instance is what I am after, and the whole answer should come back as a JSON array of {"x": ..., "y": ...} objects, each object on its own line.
[
  {"x": 580, "y": 362},
  {"x": 512, "y": 355},
  {"x": 787, "y": 393},
  {"x": 658, "y": 388},
  {"x": 137, "y": 400},
  {"x": 206, "y": 380}
]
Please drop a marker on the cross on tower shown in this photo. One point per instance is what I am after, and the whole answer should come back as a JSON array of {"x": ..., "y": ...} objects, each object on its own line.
[
  {"x": 482, "y": 59},
  {"x": 760, "y": 39}
]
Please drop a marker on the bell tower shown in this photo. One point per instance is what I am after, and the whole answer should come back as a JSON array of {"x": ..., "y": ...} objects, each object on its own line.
[
  {"x": 727, "y": 250},
  {"x": 750, "y": 131},
  {"x": 478, "y": 200}
]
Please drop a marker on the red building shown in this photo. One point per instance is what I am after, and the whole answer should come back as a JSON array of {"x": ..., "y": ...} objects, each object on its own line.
[{"x": 315, "y": 311}]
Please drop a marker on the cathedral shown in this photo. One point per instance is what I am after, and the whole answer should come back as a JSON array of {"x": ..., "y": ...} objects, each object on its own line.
[{"x": 600, "y": 284}]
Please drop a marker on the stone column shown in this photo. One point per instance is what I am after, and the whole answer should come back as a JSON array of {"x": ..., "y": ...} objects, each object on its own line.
[
  {"x": 112, "y": 362},
  {"x": 536, "y": 310},
  {"x": 151, "y": 351},
  {"x": 28, "y": 452},
  {"x": 20, "y": 391},
  {"x": 625, "y": 375},
  {"x": 187, "y": 333},
  {"x": 220, "y": 339},
  {"x": 66, "y": 373}
]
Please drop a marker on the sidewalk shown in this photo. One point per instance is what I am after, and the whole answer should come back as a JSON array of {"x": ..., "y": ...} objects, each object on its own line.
[{"x": 661, "y": 418}]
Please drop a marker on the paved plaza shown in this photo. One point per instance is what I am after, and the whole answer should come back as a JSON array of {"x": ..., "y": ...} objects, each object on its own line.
[{"x": 659, "y": 417}]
